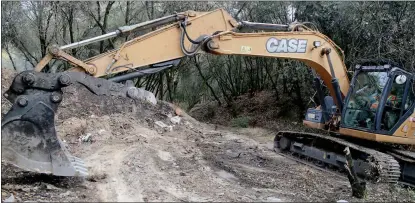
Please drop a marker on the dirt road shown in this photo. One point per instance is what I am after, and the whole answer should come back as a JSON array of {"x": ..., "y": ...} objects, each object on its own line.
[{"x": 131, "y": 159}]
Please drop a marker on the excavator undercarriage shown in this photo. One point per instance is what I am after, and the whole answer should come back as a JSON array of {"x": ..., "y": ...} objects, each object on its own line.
[{"x": 326, "y": 152}]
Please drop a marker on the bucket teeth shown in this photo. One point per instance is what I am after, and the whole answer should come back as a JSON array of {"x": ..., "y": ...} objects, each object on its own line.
[
  {"x": 79, "y": 165},
  {"x": 76, "y": 163},
  {"x": 81, "y": 170},
  {"x": 70, "y": 167},
  {"x": 76, "y": 160}
]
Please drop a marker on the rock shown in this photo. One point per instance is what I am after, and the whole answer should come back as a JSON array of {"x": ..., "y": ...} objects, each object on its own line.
[
  {"x": 86, "y": 138},
  {"x": 239, "y": 141},
  {"x": 188, "y": 124},
  {"x": 182, "y": 174},
  {"x": 10, "y": 199},
  {"x": 178, "y": 111},
  {"x": 165, "y": 156},
  {"x": 163, "y": 126},
  {"x": 140, "y": 93},
  {"x": 160, "y": 124},
  {"x": 96, "y": 176},
  {"x": 26, "y": 189},
  {"x": 175, "y": 120},
  {"x": 65, "y": 194},
  {"x": 7, "y": 186},
  {"x": 273, "y": 199},
  {"x": 150, "y": 122},
  {"x": 49, "y": 186},
  {"x": 18, "y": 199}
]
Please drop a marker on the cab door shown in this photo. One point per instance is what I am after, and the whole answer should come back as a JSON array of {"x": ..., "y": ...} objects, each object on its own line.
[{"x": 397, "y": 106}]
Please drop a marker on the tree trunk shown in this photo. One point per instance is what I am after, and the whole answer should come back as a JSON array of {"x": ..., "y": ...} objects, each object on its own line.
[
  {"x": 127, "y": 16},
  {"x": 273, "y": 83},
  {"x": 358, "y": 187},
  {"x": 299, "y": 100},
  {"x": 169, "y": 90},
  {"x": 10, "y": 56},
  {"x": 71, "y": 31},
  {"x": 206, "y": 82},
  {"x": 161, "y": 86}
]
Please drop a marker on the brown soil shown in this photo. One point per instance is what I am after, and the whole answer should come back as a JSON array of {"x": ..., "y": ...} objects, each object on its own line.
[{"x": 129, "y": 159}]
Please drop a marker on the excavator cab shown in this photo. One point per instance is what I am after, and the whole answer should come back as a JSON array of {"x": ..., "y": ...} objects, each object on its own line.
[
  {"x": 378, "y": 107},
  {"x": 380, "y": 99}
]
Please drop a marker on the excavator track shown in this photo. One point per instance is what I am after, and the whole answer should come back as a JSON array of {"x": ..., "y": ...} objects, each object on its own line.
[
  {"x": 407, "y": 162},
  {"x": 326, "y": 152}
]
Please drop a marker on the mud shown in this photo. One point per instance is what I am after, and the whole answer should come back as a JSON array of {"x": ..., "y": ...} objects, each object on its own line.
[{"x": 130, "y": 160}]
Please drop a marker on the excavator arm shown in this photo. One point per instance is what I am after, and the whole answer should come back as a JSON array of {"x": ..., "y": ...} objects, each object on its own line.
[
  {"x": 29, "y": 137},
  {"x": 216, "y": 31}
]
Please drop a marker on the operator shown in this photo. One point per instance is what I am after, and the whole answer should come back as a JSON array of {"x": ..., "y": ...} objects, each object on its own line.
[
  {"x": 390, "y": 101},
  {"x": 391, "y": 113},
  {"x": 368, "y": 96}
]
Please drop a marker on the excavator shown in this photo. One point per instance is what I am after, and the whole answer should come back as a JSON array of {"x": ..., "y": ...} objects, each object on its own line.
[{"x": 372, "y": 114}]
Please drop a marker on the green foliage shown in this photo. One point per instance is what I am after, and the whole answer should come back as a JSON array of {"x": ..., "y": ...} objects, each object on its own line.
[
  {"x": 364, "y": 30},
  {"x": 241, "y": 122}
]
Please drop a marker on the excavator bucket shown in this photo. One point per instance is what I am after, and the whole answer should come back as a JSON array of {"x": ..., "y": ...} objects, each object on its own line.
[
  {"x": 28, "y": 135},
  {"x": 29, "y": 139}
]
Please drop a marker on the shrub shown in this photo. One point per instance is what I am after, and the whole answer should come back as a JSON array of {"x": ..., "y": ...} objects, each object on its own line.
[{"x": 242, "y": 122}]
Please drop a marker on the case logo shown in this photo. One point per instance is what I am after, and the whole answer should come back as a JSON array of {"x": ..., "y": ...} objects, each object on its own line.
[{"x": 286, "y": 45}]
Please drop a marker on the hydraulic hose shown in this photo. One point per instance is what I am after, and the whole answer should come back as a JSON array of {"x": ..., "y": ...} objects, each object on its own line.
[{"x": 195, "y": 50}]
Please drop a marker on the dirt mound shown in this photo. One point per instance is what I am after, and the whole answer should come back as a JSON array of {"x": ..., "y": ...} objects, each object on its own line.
[
  {"x": 130, "y": 158},
  {"x": 7, "y": 76}
]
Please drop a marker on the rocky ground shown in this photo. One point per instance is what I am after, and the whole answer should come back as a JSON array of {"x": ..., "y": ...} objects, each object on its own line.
[{"x": 131, "y": 158}]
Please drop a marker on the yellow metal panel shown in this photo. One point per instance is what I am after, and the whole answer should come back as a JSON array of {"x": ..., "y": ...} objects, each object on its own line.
[
  {"x": 312, "y": 56},
  {"x": 378, "y": 137},
  {"x": 162, "y": 44},
  {"x": 407, "y": 129}
]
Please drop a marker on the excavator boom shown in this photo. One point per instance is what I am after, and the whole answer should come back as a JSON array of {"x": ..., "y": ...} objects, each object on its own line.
[{"x": 216, "y": 32}]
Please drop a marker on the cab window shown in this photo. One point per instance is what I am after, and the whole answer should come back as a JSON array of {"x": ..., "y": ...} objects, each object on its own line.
[
  {"x": 394, "y": 107},
  {"x": 364, "y": 100},
  {"x": 411, "y": 97}
]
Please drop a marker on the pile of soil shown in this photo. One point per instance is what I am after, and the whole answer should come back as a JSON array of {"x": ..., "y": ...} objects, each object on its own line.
[
  {"x": 131, "y": 159},
  {"x": 7, "y": 77}
]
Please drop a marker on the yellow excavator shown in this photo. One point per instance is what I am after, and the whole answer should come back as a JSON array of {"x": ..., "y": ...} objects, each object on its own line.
[{"x": 373, "y": 114}]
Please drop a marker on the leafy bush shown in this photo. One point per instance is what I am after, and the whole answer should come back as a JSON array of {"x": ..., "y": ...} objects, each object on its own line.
[{"x": 242, "y": 122}]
